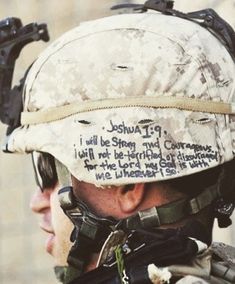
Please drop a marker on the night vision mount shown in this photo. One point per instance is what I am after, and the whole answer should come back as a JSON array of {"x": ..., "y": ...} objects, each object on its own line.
[
  {"x": 13, "y": 37},
  {"x": 207, "y": 18}
]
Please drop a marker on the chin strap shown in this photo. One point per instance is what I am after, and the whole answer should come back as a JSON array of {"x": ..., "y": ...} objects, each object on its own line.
[
  {"x": 172, "y": 212},
  {"x": 221, "y": 194},
  {"x": 90, "y": 231}
]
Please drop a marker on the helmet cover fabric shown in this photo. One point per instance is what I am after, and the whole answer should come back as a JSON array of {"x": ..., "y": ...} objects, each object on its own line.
[{"x": 124, "y": 56}]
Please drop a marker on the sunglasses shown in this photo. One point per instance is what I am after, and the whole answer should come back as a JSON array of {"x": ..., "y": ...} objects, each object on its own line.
[{"x": 44, "y": 170}]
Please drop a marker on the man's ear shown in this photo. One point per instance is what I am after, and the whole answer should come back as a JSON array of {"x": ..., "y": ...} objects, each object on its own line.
[{"x": 130, "y": 197}]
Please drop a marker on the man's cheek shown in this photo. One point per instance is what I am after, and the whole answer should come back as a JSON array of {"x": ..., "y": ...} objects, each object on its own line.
[
  {"x": 62, "y": 228},
  {"x": 60, "y": 221}
]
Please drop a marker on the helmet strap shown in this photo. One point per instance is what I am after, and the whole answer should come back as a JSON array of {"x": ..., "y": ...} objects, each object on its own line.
[{"x": 90, "y": 231}]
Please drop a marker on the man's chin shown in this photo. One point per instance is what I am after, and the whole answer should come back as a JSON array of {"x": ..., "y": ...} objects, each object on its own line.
[{"x": 60, "y": 250}]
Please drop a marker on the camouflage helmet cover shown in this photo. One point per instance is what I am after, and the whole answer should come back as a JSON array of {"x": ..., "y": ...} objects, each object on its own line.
[{"x": 131, "y": 98}]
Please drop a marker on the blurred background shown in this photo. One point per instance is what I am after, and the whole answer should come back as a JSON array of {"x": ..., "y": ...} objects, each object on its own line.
[{"x": 22, "y": 255}]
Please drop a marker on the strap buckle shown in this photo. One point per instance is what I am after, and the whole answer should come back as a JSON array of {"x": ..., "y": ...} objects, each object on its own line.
[{"x": 149, "y": 218}]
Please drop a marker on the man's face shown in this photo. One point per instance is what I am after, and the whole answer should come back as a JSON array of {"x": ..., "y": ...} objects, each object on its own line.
[{"x": 54, "y": 222}]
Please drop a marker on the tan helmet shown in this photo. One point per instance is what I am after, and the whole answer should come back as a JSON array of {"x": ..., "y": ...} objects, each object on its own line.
[{"x": 131, "y": 98}]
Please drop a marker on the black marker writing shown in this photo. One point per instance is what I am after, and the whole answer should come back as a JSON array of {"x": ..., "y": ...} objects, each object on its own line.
[{"x": 123, "y": 129}]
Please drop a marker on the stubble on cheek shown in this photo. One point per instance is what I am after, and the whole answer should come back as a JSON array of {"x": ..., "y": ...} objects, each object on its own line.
[{"x": 62, "y": 228}]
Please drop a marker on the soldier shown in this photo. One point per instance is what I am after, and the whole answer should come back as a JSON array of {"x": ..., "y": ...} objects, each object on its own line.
[{"x": 131, "y": 119}]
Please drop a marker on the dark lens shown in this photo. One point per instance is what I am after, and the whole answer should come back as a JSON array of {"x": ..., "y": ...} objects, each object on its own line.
[{"x": 45, "y": 170}]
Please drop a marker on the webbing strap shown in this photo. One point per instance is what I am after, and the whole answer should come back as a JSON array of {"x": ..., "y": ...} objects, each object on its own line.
[
  {"x": 166, "y": 101},
  {"x": 173, "y": 212}
]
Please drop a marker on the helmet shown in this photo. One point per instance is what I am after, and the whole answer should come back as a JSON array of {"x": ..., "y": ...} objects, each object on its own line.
[{"x": 131, "y": 98}]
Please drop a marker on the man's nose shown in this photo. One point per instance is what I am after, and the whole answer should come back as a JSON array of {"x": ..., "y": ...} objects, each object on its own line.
[{"x": 40, "y": 201}]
